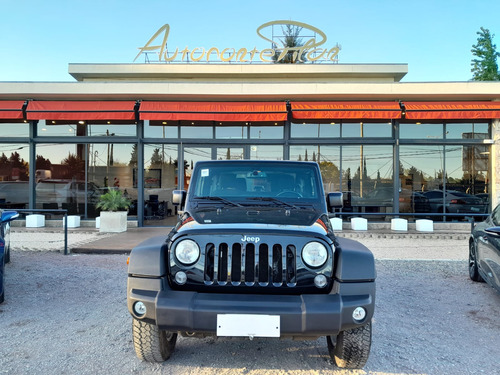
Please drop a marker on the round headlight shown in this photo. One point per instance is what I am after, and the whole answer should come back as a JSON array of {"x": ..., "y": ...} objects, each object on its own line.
[
  {"x": 314, "y": 254},
  {"x": 187, "y": 252}
]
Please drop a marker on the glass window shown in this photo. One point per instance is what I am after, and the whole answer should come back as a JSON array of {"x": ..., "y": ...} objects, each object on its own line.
[
  {"x": 128, "y": 130},
  {"x": 203, "y": 132},
  {"x": 328, "y": 130},
  {"x": 230, "y": 153},
  {"x": 14, "y": 172},
  {"x": 266, "y": 132},
  {"x": 305, "y": 131},
  {"x": 265, "y": 152},
  {"x": 421, "y": 131},
  {"x": 367, "y": 178},
  {"x": 366, "y": 130},
  {"x": 328, "y": 158},
  {"x": 53, "y": 129},
  {"x": 56, "y": 129},
  {"x": 18, "y": 129},
  {"x": 155, "y": 131},
  {"x": 230, "y": 132},
  {"x": 421, "y": 174},
  {"x": 160, "y": 180},
  {"x": 467, "y": 178},
  {"x": 467, "y": 131}
]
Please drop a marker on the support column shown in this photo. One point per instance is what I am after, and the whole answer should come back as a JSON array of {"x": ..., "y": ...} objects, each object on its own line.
[{"x": 494, "y": 166}]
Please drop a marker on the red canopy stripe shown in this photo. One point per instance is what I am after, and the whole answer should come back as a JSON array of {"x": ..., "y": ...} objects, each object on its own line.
[
  {"x": 11, "y": 109},
  {"x": 346, "y": 110},
  {"x": 81, "y": 110},
  {"x": 214, "y": 111},
  {"x": 452, "y": 110}
]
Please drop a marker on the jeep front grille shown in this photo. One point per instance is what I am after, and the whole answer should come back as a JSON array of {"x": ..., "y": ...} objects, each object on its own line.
[{"x": 250, "y": 264}]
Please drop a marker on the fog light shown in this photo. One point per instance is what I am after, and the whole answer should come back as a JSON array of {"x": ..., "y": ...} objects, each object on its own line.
[
  {"x": 140, "y": 308},
  {"x": 359, "y": 314},
  {"x": 181, "y": 278},
  {"x": 320, "y": 281}
]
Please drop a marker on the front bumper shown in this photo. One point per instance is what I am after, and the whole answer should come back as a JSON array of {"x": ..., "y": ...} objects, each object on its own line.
[{"x": 300, "y": 315}]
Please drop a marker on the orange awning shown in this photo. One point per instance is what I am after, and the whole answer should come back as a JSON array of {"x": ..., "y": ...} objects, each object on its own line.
[
  {"x": 214, "y": 111},
  {"x": 452, "y": 110},
  {"x": 345, "y": 110},
  {"x": 81, "y": 110},
  {"x": 11, "y": 109}
]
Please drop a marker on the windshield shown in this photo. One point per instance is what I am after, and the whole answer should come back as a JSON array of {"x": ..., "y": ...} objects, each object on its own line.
[
  {"x": 256, "y": 192},
  {"x": 250, "y": 180}
]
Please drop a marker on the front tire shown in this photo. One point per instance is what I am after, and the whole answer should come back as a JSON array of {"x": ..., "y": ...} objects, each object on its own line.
[
  {"x": 352, "y": 347},
  {"x": 473, "y": 269},
  {"x": 151, "y": 343}
]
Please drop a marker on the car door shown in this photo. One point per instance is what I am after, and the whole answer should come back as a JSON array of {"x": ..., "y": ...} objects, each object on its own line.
[{"x": 489, "y": 249}]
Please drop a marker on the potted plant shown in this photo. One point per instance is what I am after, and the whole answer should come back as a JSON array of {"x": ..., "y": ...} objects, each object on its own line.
[{"x": 113, "y": 206}]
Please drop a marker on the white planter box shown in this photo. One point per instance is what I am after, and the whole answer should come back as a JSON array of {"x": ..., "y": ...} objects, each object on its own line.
[
  {"x": 399, "y": 224},
  {"x": 35, "y": 221},
  {"x": 336, "y": 223},
  {"x": 73, "y": 221},
  {"x": 424, "y": 225},
  {"x": 114, "y": 222},
  {"x": 359, "y": 223}
]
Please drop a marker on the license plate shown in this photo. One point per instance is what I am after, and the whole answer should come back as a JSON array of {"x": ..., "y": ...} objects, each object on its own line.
[
  {"x": 474, "y": 209},
  {"x": 248, "y": 325}
]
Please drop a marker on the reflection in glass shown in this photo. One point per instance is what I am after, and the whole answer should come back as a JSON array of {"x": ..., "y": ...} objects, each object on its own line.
[
  {"x": 467, "y": 131},
  {"x": 367, "y": 178},
  {"x": 80, "y": 129},
  {"x": 229, "y": 153},
  {"x": 191, "y": 156},
  {"x": 20, "y": 129},
  {"x": 14, "y": 176},
  {"x": 266, "y": 132},
  {"x": 304, "y": 130},
  {"x": 421, "y": 170},
  {"x": 160, "y": 180},
  {"x": 155, "y": 131},
  {"x": 366, "y": 130},
  {"x": 421, "y": 131},
  {"x": 265, "y": 152},
  {"x": 467, "y": 173},
  {"x": 230, "y": 132},
  {"x": 328, "y": 158},
  {"x": 203, "y": 132}
]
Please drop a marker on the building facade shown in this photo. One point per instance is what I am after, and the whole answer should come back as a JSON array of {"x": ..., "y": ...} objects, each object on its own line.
[{"x": 426, "y": 149}]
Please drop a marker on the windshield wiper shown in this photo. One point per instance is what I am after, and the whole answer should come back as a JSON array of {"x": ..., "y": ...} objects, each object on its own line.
[
  {"x": 220, "y": 199},
  {"x": 274, "y": 200}
]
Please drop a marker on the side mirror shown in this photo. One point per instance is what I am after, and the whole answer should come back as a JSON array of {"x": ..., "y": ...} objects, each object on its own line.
[
  {"x": 494, "y": 231},
  {"x": 178, "y": 197},
  {"x": 9, "y": 216},
  {"x": 335, "y": 200}
]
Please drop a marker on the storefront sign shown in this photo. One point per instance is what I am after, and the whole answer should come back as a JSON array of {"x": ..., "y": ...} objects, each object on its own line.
[{"x": 311, "y": 50}]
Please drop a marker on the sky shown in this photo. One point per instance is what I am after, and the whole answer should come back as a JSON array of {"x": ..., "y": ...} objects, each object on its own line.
[{"x": 38, "y": 39}]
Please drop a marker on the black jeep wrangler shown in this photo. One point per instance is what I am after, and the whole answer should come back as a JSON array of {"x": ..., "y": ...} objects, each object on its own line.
[{"x": 253, "y": 255}]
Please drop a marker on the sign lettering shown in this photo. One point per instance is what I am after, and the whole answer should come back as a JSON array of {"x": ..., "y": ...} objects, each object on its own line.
[{"x": 312, "y": 50}]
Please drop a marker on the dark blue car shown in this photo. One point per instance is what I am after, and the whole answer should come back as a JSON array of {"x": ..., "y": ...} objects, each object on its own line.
[
  {"x": 484, "y": 250},
  {"x": 6, "y": 218}
]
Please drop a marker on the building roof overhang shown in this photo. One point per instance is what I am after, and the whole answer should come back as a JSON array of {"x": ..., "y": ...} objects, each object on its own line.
[
  {"x": 229, "y": 91},
  {"x": 176, "y": 72}
]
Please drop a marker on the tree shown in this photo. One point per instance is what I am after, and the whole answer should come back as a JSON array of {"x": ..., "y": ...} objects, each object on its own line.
[
  {"x": 156, "y": 159},
  {"x": 484, "y": 66},
  {"x": 133, "y": 156},
  {"x": 290, "y": 40},
  {"x": 42, "y": 163},
  {"x": 75, "y": 166}
]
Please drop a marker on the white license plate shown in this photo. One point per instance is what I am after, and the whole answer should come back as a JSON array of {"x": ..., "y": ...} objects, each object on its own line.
[{"x": 248, "y": 325}]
